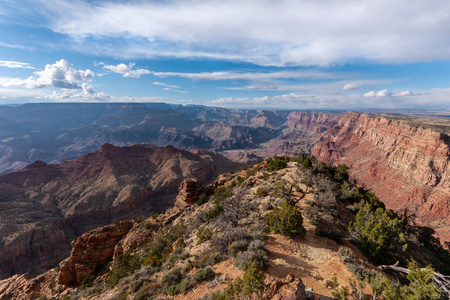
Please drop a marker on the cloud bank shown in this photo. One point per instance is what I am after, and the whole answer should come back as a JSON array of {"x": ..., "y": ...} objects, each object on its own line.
[{"x": 264, "y": 32}]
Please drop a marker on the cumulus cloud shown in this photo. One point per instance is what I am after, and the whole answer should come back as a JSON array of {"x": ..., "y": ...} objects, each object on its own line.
[
  {"x": 61, "y": 74},
  {"x": 127, "y": 70},
  {"x": 350, "y": 87},
  {"x": 382, "y": 93},
  {"x": 290, "y": 33},
  {"x": 15, "y": 64}
]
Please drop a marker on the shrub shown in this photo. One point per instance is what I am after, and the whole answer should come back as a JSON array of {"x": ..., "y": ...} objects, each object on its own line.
[
  {"x": 261, "y": 192},
  {"x": 179, "y": 288},
  {"x": 125, "y": 265},
  {"x": 346, "y": 252},
  {"x": 237, "y": 246},
  {"x": 256, "y": 257},
  {"x": 214, "y": 213},
  {"x": 253, "y": 281},
  {"x": 202, "y": 199},
  {"x": 204, "y": 234},
  {"x": 203, "y": 274},
  {"x": 276, "y": 163},
  {"x": 287, "y": 221},
  {"x": 378, "y": 232}
]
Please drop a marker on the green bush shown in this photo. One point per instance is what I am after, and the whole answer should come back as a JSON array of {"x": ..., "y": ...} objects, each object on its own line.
[
  {"x": 378, "y": 232},
  {"x": 203, "y": 274},
  {"x": 276, "y": 163},
  {"x": 214, "y": 213},
  {"x": 202, "y": 199},
  {"x": 261, "y": 192},
  {"x": 178, "y": 288},
  {"x": 287, "y": 221},
  {"x": 125, "y": 265}
]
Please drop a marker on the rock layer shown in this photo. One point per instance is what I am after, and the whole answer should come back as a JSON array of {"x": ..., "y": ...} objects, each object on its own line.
[{"x": 407, "y": 167}]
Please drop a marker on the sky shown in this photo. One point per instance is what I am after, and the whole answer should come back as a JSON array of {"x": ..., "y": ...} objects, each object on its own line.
[{"x": 314, "y": 54}]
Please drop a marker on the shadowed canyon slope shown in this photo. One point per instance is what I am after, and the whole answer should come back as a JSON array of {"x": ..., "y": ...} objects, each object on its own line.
[
  {"x": 54, "y": 133},
  {"x": 406, "y": 166},
  {"x": 44, "y": 207}
]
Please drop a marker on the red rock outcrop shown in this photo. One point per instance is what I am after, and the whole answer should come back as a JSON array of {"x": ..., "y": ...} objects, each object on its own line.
[
  {"x": 290, "y": 288},
  {"x": 406, "y": 166},
  {"x": 187, "y": 193},
  {"x": 91, "y": 252}
]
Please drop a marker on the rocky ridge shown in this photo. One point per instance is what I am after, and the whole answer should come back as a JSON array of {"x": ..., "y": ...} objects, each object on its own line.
[
  {"x": 200, "y": 251},
  {"x": 406, "y": 166}
]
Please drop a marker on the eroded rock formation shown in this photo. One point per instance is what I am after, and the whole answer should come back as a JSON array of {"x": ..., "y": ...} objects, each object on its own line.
[{"x": 406, "y": 166}]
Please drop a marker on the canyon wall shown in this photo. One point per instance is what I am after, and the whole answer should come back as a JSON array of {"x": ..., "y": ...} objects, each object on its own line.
[{"x": 406, "y": 166}]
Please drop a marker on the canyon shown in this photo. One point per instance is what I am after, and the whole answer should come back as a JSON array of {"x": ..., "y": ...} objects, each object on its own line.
[
  {"x": 53, "y": 191},
  {"x": 43, "y": 207}
]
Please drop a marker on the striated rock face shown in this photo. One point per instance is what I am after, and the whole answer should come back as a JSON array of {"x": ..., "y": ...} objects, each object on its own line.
[
  {"x": 43, "y": 207},
  {"x": 91, "y": 252},
  {"x": 406, "y": 166},
  {"x": 187, "y": 193}
]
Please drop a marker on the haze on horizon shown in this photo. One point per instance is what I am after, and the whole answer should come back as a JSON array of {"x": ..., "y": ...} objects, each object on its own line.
[{"x": 322, "y": 54}]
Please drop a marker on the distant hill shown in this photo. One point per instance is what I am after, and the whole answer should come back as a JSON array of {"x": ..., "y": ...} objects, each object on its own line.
[{"x": 57, "y": 132}]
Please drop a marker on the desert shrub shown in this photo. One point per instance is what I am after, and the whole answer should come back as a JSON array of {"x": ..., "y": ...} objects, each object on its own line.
[
  {"x": 238, "y": 246},
  {"x": 171, "y": 278},
  {"x": 202, "y": 199},
  {"x": 253, "y": 281},
  {"x": 287, "y": 221},
  {"x": 207, "y": 259},
  {"x": 266, "y": 206},
  {"x": 260, "y": 193},
  {"x": 221, "y": 194},
  {"x": 88, "y": 281},
  {"x": 378, "y": 232},
  {"x": 214, "y": 213},
  {"x": 256, "y": 245},
  {"x": 203, "y": 274},
  {"x": 346, "y": 252},
  {"x": 256, "y": 257},
  {"x": 153, "y": 259},
  {"x": 277, "y": 163},
  {"x": 125, "y": 265},
  {"x": 204, "y": 234},
  {"x": 361, "y": 272},
  {"x": 179, "y": 288}
]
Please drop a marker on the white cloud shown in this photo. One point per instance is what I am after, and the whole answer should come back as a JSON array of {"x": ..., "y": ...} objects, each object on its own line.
[
  {"x": 350, "y": 87},
  {"x": 382, "y": 93},
  {"x": 61, "y": 74},
  {"x": 406, "y": 93},
  {"x": 127, "y": 70},
  {"x": 15, "y": 64},
  {"x": 175, "y": 90},
  {"x": 166, "y": 85},
  {"x": 255, "y": 76},
  {"x": 289, "y": 33}
]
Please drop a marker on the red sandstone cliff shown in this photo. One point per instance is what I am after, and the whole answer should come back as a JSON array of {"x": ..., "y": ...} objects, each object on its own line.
[{"x": 406, "y": 166}]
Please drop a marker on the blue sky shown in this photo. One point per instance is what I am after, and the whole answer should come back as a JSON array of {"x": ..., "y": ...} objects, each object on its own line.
[{"x": 315, "y": 54}]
